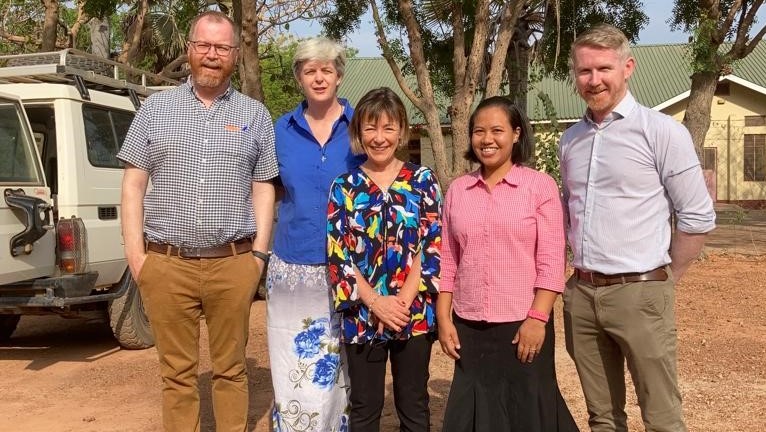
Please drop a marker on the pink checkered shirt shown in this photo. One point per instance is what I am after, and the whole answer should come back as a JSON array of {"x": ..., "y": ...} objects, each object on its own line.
[{"x": 499, "y": 246}]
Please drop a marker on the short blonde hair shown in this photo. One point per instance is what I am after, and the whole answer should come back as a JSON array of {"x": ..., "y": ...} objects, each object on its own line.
[
  {"x": 371, "y": 107},
  {"x": 321, "y": 49},
  {"x": 605, "y": 36}
]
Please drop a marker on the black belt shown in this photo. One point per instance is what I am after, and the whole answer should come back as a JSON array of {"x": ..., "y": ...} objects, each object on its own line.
[
  {"x": 234, "y": 248},
  {"x": 599, "y": 279}
]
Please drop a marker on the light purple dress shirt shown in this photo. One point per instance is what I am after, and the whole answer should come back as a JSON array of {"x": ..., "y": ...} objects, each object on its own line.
[{"x": 622, "y": 180}]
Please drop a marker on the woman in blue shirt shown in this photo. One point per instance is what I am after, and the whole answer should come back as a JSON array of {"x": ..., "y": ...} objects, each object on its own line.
[{"x": 310, "y": 390}]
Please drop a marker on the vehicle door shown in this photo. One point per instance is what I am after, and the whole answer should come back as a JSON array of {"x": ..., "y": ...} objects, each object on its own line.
[{"x": 27, "y": 244}]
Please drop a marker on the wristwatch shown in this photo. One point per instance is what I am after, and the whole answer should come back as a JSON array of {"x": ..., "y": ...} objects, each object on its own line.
[{"x": 262, "y": 255}]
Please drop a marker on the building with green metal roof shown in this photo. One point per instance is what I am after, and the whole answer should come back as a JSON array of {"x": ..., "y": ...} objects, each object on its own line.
[{"x": 734, "y": 154}]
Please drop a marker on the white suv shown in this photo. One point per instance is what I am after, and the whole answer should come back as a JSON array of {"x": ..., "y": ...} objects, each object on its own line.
[{"x": 61, "y": 250}]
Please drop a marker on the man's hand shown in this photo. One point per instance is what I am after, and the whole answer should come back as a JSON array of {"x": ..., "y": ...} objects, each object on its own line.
[{"x": 136, "y": 263}]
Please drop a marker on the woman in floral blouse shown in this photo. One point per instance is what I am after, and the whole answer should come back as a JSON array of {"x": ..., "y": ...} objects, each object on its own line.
[{"x": 384, "y": 234}]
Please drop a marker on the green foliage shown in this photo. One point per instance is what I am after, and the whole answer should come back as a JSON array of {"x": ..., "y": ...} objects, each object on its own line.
[
  {"x": 434, "y": 20},
  {"x": 165, "y": 31},
  {"x": 281, "y": 92},
  {"x": 546, "y": 140},
  {"x": 576, "y": 17},
  {"x": 346, "y": 20},
  {"x": 702, "y": 51},
  {"x": 688, "y": 14},
  {"x": 23, "y": 19},
  {"x": 101, "y": 8}
]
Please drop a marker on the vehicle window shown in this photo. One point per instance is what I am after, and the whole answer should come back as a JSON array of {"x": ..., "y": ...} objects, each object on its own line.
[
  {"x": 105, "y": 131},
  {"x": 122, "y": 121},
  {"x": 18, "y": 162}
]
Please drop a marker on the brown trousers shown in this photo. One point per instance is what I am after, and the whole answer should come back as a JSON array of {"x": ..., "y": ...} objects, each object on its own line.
[
  {"x": 177, "y": 293},
  {"x": 633, "y": 323}
]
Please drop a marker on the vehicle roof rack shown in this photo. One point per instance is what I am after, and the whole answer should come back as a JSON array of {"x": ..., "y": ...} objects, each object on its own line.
[{"x": 78, "y": 68}]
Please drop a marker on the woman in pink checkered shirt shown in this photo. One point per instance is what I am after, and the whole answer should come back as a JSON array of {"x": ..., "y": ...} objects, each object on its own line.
[{"x": 502, "y": 269}]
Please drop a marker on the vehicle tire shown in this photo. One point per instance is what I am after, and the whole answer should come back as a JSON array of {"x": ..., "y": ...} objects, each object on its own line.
[
  {"x": 8, "y": 325},
  {"x": 127, "y": 318}
]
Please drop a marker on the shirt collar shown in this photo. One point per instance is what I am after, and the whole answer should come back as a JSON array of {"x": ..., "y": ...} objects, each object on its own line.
[
  {"x": 190, "y": 86},
  {"x": 297, "y": 117},
  {"x": 512, "y": 177},
  {"x": 622, "y": 110}
]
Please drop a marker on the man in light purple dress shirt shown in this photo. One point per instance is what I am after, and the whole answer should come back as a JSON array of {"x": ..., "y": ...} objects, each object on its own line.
[{"x": 626, "y": 170}]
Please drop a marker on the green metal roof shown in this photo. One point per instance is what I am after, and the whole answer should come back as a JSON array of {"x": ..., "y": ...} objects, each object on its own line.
[
  {"x": 662, "y": 73},
  {"x": 366, "y": 73}
]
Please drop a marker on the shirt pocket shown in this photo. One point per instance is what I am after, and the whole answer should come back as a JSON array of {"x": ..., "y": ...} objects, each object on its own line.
[{"x": 236, "y": 149}]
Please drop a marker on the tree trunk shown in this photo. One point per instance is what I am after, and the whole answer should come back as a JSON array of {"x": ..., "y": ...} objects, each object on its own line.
[
  {"x": 130, "y": 47},
  {"x": 50, "y": 23},
  {"x": 697, "y": 116},
  {"x": 517, "y": 67},
  {"x": 459, "y": 115},
  {"x": 99, "y": 36},
  {"x": 250, "y": 63}
]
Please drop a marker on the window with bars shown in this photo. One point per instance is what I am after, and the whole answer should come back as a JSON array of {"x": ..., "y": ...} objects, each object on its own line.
[{"x": 755, "y": 157}]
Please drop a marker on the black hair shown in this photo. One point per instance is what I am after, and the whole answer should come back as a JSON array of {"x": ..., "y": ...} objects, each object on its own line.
[{"x": 523, "y": 148}]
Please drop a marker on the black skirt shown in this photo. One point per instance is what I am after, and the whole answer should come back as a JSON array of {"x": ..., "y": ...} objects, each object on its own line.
[{"x": 493, "y": 391}]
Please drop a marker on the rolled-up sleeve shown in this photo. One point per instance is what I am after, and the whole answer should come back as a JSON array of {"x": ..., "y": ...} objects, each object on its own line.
[{"x": 684, "y": 182}]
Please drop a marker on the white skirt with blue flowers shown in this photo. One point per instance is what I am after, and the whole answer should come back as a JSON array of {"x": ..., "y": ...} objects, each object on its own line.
[{"x": 307, "y": 368}]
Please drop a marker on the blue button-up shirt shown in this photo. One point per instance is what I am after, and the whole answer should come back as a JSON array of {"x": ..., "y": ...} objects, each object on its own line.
[
  {"x": 622, "y": 180},
  {"x": 307, "y": 170}
]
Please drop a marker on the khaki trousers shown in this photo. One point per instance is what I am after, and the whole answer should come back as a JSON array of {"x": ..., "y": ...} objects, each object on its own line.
[
  {"x": 176, "y": 293},
  {"x": 633, "y": 322}
]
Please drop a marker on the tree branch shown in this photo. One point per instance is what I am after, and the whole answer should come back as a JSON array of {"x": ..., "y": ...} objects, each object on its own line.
[
  {"x": 478, "y": 48},
  {"x": 171, "y": 70},
  {"x": 723, "y": 30},
  {"x": 18, "y": 39},
  {"x": 387, "y": 54},
  {"x": 458, "y": 45}
]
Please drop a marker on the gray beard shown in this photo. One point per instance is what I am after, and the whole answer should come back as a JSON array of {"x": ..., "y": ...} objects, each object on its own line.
[{"x": 209, "y": 81}]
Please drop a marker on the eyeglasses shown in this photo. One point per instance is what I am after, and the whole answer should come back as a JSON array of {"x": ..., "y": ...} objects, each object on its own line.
[{"x": 204, "y": 48}]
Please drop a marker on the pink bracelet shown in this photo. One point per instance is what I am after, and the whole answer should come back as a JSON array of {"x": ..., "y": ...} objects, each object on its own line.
[{"x": 536, "y": 314}]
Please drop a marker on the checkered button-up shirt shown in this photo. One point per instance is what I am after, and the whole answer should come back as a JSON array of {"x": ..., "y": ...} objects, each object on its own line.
[
  {"x": 201, "y": 162},
  {"x": 500, "y": 245}
]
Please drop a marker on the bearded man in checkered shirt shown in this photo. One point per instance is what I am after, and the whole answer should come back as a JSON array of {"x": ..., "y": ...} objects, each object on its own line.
[{"x": 196, "y": 242}]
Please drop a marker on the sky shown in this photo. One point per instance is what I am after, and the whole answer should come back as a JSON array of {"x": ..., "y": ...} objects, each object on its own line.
[{"x": 657, "y": 31}]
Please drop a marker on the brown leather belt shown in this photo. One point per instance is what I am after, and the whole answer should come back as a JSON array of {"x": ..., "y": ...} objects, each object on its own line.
[
  {"x": 599, "y": 279},
  {"x": 234, "y": 248}
]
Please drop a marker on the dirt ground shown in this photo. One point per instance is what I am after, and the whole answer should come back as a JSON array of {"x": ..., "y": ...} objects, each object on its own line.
[{"x": 69, "y": 375}]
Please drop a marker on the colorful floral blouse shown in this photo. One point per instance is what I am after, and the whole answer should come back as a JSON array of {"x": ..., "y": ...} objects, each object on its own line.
[{"x": 359, "y": 217}]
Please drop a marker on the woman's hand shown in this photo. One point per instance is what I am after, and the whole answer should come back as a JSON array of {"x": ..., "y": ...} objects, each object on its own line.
[
  {"x": 391, "y": 311},
  {"x": 448, "y": 338},
  {"x": 529, "y": 339}
]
